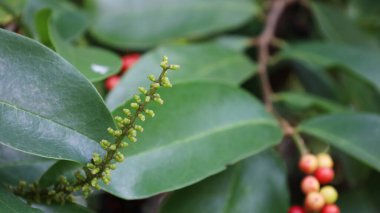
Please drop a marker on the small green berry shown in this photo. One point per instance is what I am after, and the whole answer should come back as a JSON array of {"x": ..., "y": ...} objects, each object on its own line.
[
  {"x": 174, "y": 67},
  {"x": 151, "y": 78},
  {"x": 135, "y": 105},
  {"x": 141, "y": 117},
  {"x": 142, "y": 90},
  {"x": 137, "y": 98},
  {"x": 110, "y": 130},
  {"x": 119, "y": 157},
  {"x": 127, "y": 112},
  {"x": 113, "y": 147},
  {"x": 123, "y": 144},
  {"x": 155, "y": 85}
]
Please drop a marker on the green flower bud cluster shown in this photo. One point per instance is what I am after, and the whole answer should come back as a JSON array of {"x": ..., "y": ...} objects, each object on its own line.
[{"x": 100, "y": 167}]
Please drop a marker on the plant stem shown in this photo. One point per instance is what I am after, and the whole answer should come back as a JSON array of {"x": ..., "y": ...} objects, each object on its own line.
[{"x": 264, "y": 42}]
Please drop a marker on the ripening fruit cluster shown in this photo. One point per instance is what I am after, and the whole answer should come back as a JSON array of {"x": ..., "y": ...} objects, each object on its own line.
[
  {"x": 320, "y": 197},
  {"x": 127, "y": 61}
]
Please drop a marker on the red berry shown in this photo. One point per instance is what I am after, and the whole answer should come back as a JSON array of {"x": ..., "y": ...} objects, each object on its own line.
[
  {"x": 308, "y": 163},
  {"x": 330, "y": 209},
  {"x": 129, "y": 60},
  {"x": 324, "y": 175},
  {"x": 310, "y": 184},
  {"x": 296, "y": 209},
  {"x": 111, "y": 82},
  {"x": 314, "y": 201}
]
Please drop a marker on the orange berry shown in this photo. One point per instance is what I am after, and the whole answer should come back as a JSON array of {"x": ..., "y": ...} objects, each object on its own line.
[
  {"x": 314, "y": 201},
  {"x": 310, "y": 184},
  {"x": 308, "y": 163},
  {"x": 325, "y": 160}
]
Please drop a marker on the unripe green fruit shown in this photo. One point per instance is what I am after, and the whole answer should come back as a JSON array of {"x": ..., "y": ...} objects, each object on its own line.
[
  {"x": 310, "y": 184},
  {"x": 330, "y": 194},
  {"x": 325, "y": 160},
  {"x": 314, "y": 201},
  {"x": 308, "y": 163}
]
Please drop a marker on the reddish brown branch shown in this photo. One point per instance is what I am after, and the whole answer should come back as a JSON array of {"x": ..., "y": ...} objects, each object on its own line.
[{"x": 264, "y": 42}]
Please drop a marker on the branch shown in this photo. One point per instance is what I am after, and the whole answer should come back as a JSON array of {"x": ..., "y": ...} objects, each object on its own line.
[{"x": 264, "y": 41}]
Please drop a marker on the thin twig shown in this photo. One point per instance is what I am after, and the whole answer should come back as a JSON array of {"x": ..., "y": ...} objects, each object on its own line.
[{"x": 264, "y": 42}]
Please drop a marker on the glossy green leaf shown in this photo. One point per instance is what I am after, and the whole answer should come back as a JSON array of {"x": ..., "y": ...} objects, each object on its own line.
[
  {"x": 16, "y": 166},
  {"x": 67, "y": 208},
  {"x": 65, "y": 168},
  {"x": 70, "y": 21},
  {"x": 336, "y": 26},
  {"x": 95, "y": 63},
  {"x": 12, "y": 204},
  {"x": 47, "y": 107},
  {"x": 249, "y": 186},
  {"x": 355, "y": 134},
  {"x": 42, "y": 20},
  {"x": 314, "y": 80},
  {"x": 352, "y": 89},
  {"x": 235, "y": 42},
  {"x": 201, "y": 128},
  {"x": 199, "y": 62},
  {"x": 145, "y": 23},
  {"x": 301, "y": 101},
  {"x": 361, "y": 62}
]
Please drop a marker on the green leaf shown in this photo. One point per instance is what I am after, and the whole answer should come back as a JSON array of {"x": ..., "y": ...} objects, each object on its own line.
[
  {"x": 65, "y": 168},
  {"x": 16, "y": 166},
  {"x": 352, "y": 89},
  {"x": 70, "y": 22},
  {"x": 201, "y": 128},
  {"x": 249, "y": 186},
  {"x": 12, "y": 204},
  {"x": 199, "y": 62},
  {"x": 337, "y": 26},
  {"x": 302, "y": 101},
  {"x": 47, "y": 107},
  {"x": 234, "y": 42},
  {"x": 357, "y": 200},
  {"x": 354, "y": 134},
  {"x": 361, "y": 62},
  {"x": 95, "y": 63},
  {"x": 42, "y": 20},
  {"x": 145, "y": 23},
  {"x": 67, "y": 208}
]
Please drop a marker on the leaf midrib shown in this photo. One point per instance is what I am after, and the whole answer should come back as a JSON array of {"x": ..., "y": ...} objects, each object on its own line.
[{"x": 45, "y": 118}]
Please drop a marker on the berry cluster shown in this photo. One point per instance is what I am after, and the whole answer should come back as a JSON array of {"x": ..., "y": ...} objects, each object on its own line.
[
  {"x": 127, "y": 62},
  {"x": 319, "y": 171},
  {"x": 99, "y": 168}
]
